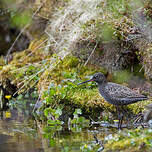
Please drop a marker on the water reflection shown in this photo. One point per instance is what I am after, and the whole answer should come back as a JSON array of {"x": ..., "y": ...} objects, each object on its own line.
[{"x": 19, "y": 132}]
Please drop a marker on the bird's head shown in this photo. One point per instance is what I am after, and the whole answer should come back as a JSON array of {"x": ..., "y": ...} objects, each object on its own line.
[{"x": 97, "y": 77}]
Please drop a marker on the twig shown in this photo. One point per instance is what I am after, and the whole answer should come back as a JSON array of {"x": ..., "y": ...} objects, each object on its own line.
[
  {"x": 91, "y": 54},
  {"x": 10, "y": 49},
  {"x": 37, "y": 102},
  {"x": 37, "y": 47},
  {"x": 32, "y": 76}
]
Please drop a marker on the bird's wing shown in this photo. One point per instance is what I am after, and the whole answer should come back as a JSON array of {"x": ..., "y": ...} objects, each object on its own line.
[{"x": 119, "y": 91}]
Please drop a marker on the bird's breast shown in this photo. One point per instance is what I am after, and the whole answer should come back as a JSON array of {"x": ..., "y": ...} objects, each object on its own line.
[{"x": 106, "y": 96}]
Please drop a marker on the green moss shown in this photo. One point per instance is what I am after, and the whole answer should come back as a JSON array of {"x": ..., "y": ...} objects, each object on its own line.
[
  {"x": 139, "y": 106},
  {"x": 62, "y": 79},
  {"x": 130, "y": 140},
  {"x": 122, "y": 77},
  {"x": 65, "y": 77},
  {"x": 107, "y": 33},
  {"x": 23, "y": 68},
  {"x": 70, "y": 62},
  {"x": 21, "y": 19}
]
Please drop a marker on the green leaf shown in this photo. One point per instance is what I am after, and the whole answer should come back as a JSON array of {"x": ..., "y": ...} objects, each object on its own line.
[
  {"x": 21, "y": 19},
  {"x": 52, "y": 92},
  {"x": 20, "y": 97},
  {"x": 77, "y": 111},
  {"x": 58, "y": 111},
  {"x": 52, "y": 142}
]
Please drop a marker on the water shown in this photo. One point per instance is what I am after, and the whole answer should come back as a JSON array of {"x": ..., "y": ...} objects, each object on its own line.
[{"x": 19, "y": 132}]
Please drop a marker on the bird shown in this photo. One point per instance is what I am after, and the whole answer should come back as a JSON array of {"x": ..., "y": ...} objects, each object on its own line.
[{"x": 116, "y": 94}]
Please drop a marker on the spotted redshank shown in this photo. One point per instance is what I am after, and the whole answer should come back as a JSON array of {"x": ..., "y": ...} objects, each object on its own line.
[{"x": 116, "y": 94}]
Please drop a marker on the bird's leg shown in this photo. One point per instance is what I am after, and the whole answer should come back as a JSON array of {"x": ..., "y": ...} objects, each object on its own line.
[
  {"x": 120, "y": 117},
  {"x": 127, "y": 115},
  {"x": 120, "y": 121}
]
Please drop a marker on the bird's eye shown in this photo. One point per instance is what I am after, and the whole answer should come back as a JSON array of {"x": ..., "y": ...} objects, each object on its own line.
[{"x": 96, "y": 76}]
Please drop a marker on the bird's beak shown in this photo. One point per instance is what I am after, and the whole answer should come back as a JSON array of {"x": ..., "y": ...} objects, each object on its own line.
[{"x": 85, "y": 81}]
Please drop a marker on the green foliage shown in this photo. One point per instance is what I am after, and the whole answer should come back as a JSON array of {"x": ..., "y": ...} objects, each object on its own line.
[
  {"x": 24, "y": 102},
  {"x": 53, "y": 116},
  {"x": 49, "y": 133},
  {"x": 78, "y": 122},
  {"x": 86, "y": 148},
  {"x": 71, "y": 62},
  {"x": 107, "y": 33},
  {"x": 55, "y": 94},
  {"x": 54, "y": 123},
  {"x": 64, "y": 91},
  {"x": 90, "y": 147},
  {"x": 21, "y": 19},
  {"x": 28, "y": 73},
  {"x": 117, "y": 7},
  {"x": 122, "y": 76},
  {"x": 79, "y": 119}
]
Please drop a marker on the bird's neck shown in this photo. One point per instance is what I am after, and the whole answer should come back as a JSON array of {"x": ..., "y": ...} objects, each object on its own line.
[
  {"x": 101, "y": 87},
  {"x": 103, "y": 83}
]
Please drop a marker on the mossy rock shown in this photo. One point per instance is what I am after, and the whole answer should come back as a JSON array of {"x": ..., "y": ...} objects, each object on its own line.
[
  {"x": 24, "y": 65},
  {"x": 130, "y": 140}
]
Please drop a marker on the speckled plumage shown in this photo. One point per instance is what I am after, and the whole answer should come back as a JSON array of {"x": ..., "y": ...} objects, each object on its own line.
[
  {"x": 115, "y": 94},
  {"x": 119, "y": 95}
]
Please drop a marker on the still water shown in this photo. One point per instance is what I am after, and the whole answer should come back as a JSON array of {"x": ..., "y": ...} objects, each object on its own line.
[{"x": 19, "y": 132}]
